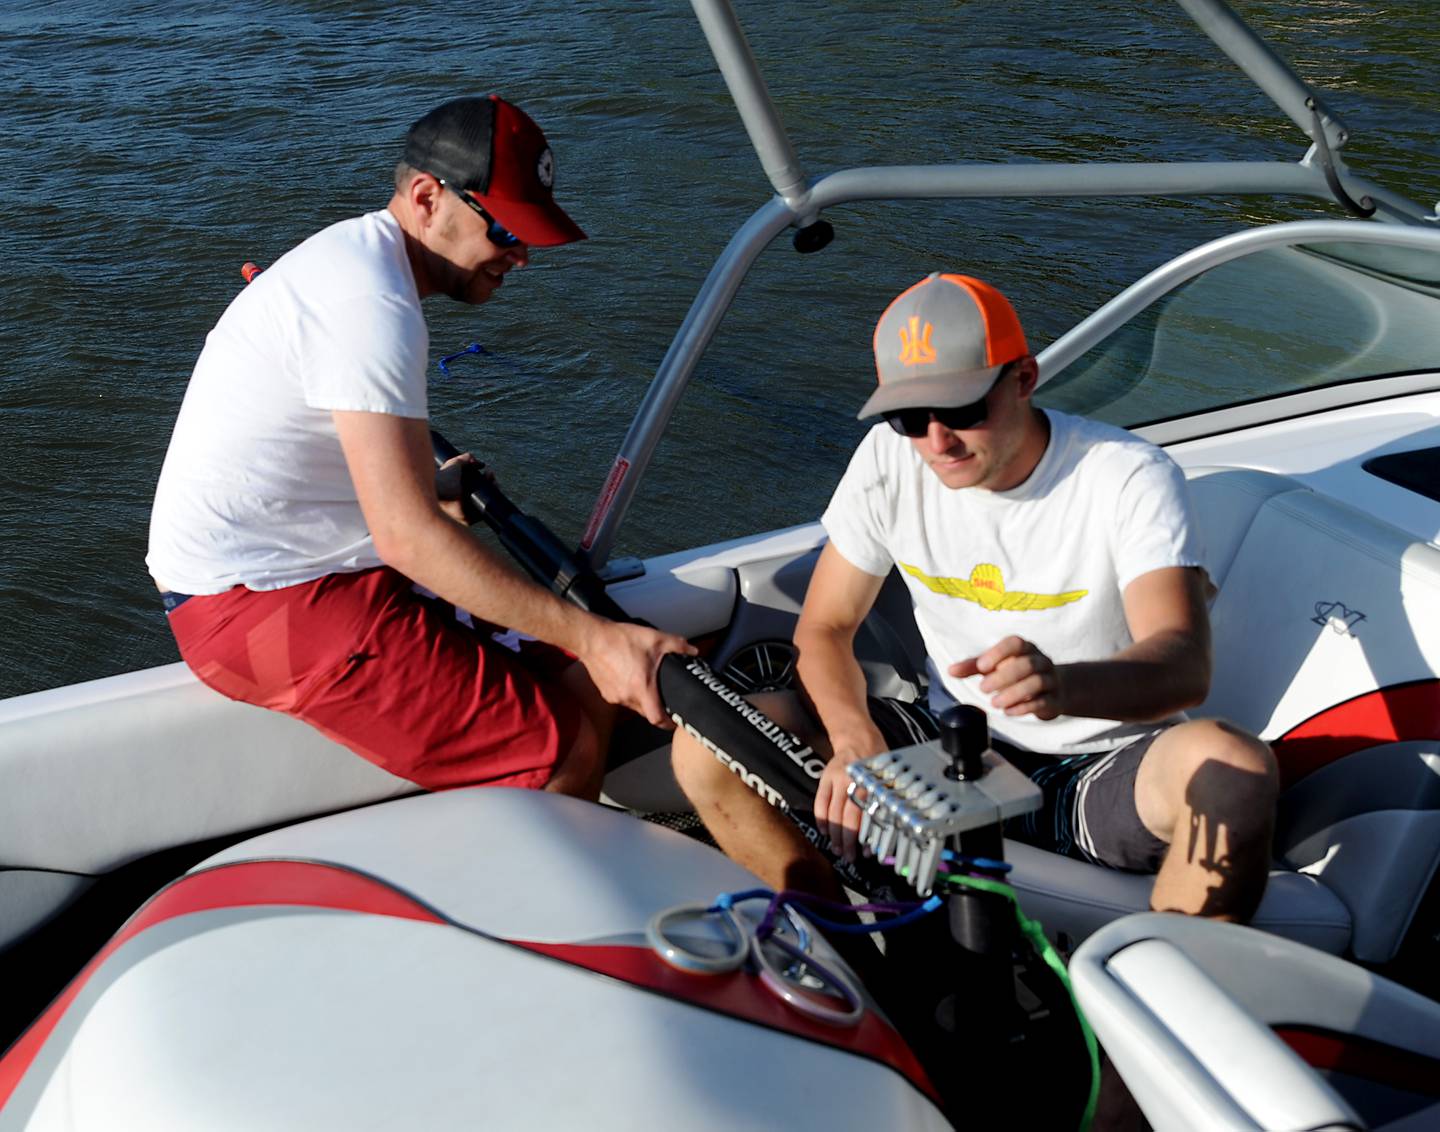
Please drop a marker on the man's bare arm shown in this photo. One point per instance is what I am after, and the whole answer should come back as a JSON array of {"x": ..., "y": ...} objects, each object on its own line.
[
  {"x": 839, "y": 597},
  {"x": 394, "y": 475},
  {"x": 1166, "y": 670}
]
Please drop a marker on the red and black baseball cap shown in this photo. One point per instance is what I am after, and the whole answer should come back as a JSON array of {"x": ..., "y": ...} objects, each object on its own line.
[{"x": 492, "y": 151}]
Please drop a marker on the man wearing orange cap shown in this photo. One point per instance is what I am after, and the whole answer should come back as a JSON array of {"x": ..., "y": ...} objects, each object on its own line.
[
  {"x": 1057, "y": 585},
  {"x": 297, "y": 514}
]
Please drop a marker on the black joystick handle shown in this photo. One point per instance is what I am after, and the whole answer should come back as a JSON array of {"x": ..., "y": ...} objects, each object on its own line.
[{"x": 964, "y": 737}]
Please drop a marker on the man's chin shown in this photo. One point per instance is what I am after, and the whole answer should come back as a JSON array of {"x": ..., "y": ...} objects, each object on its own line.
[
  {"x": 961, "y": 473},
  {"x": 472, "y": 293}
]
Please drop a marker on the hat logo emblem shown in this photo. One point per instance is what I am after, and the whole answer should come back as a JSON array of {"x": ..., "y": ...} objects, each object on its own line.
[
  {"x": 545, "y": 168},
  {"x": 915, "y": 348}
]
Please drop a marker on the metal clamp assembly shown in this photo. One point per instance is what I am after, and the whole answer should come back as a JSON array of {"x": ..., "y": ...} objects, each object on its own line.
[
  {"x": 1364, "y": 206},
  {"x": 911, "y": 805}
]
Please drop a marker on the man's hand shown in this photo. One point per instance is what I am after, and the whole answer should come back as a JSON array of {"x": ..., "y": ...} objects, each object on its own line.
[
  {"x": 837, "y": 816},
  {"x": 449, "y": 485},
  {"x": 1019, "y": 678},
  {"x": 623, "y": 661}
]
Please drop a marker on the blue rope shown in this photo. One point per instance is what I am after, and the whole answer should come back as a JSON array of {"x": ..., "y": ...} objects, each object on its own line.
[
  {"x": 901, "y": 920},
  {"x": 473, "y": 348},
  {"x": 984, "y": 864},
  {"x": 809, "y": 905}
]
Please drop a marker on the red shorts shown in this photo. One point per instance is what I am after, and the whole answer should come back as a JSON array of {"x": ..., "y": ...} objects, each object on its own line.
[{"x": 388, "y": 673}]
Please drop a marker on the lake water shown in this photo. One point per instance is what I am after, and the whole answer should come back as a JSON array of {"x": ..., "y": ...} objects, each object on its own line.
[{"x": 152, "y": 149}]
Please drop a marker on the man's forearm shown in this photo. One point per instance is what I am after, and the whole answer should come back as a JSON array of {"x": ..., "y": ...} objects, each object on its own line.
[
  {"x": 449, "y": 560},
  {"x": 1151, "y": 680},
  {"x": 834, "y": 683}
]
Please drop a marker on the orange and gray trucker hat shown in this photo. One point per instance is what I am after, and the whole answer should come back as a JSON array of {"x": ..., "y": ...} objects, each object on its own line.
[
  {"x": 494, "y": 153},
  {"x": 941, "y": 344}
]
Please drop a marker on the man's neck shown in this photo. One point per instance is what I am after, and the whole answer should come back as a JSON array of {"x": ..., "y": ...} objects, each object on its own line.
[
  {"x": 1022, "y": 465},
  {"x": 414, "y": 249}
]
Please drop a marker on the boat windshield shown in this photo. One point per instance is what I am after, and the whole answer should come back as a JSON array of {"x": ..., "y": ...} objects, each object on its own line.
[{"x": 1274, "y": 322}]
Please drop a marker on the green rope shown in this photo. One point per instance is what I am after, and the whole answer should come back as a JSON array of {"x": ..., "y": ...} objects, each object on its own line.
[{"x": 1032, "y": 931}]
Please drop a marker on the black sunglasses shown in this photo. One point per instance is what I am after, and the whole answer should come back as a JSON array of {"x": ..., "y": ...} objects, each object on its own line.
[
  {"x": 915, "y": 423},
  {"x": 497, "y": 234}
]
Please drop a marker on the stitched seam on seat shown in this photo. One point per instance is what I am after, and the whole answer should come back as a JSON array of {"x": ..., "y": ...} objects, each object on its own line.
[{"x": 1344, "y": 535}]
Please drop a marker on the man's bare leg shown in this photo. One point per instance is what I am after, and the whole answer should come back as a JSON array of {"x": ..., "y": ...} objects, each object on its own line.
[
  {"x": 581, "y": 770},
  {"x": 752, "y": 832},
  {"x": 1209, "y": 790}
]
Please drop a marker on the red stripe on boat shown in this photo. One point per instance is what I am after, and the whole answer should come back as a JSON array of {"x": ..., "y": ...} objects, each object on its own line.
[
  {"x": 316, "y": 885},
  {"x": 244, "y": 883},
  {"x": 1364, "y": 1057},
  {"x": 1387, "y": 715},
  {"x": 740, "y": 995}
]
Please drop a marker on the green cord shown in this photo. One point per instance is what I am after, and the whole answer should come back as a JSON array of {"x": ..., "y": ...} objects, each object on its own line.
[{"x": 1032, "y": 931}]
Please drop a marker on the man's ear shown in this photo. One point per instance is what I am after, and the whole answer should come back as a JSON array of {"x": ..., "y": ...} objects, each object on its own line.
[
  {"x": 424, "y": 193},
  {"x": 1028, "y": 376}
]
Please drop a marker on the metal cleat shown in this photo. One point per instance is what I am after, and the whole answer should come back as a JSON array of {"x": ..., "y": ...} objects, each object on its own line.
[
  {"x": 923, "y": 876},
  {"x": 914, "y": 805},
  {"x": 867, "y": 820}
]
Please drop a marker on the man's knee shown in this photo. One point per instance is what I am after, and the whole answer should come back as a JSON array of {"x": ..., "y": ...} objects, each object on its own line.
[
  {"x": 1209, "y": 767},
  {"x": 1221, "y": 786},
  {"x": 1189, "y": 748},
  {"x": 581, "y": 769},
  {"x": 697, "y": 770}
]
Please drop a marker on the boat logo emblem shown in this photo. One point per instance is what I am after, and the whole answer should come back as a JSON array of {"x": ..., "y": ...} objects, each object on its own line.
[
  {"x": 915, "y": 348},
  {"x": 545, "y": 168},
  {"x": 1336, "y": 617}
]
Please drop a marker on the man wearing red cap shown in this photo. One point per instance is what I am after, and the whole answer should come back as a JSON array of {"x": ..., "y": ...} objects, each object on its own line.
[
  {"x": 1057, "y": 584},
  {"x": 297, "y": 513}
]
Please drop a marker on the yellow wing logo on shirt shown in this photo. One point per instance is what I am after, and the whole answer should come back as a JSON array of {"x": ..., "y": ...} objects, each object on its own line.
[{"x": 986, "y": 587}]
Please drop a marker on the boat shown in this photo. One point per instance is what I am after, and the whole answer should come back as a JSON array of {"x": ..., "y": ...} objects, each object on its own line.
[{"x": 328, "y": 948}]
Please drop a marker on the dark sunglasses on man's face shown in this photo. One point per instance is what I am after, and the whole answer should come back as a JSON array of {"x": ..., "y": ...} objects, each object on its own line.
[
  {"x": 915, "y": 423},
  {"x": 499, "y": 236}
]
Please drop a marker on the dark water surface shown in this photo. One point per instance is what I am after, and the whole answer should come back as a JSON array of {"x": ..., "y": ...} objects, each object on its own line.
[{"x": 149, "y": 150}]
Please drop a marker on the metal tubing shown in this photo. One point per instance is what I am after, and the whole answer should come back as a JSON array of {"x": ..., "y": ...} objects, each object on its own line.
[
  {"x": 797, "y": 203},
  {"x": 752, "y": 99},
  {"x": 1139, "y": 295},
  {"x": 1266, "y": 69},
  {"x": 709, "y": 307},
  {"x": 909, "y": 182},
  {"x": 1131, "y": 178},
  {"x": 1047, "y": 179}
]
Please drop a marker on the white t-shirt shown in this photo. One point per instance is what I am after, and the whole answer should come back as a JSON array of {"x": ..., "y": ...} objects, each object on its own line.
[
  {"x": 255, "y": 490},
  {"x": 1047, "y": 561}
]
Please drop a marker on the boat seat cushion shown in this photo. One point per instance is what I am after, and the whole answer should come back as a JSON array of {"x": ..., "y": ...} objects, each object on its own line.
[
  {"x": 1327, "y": 644},
  {"x": 1078, "y": 899},
  {"x": 118, "y": 768},
  {"x": 1321, "y": 603},
  {"x": 1187, "y": 1026},
  {"x": 1225, "y": 502}
]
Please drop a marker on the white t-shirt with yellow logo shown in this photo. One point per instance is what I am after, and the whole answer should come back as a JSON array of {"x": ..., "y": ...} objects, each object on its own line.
[{"x": 1047, "y": 561}]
